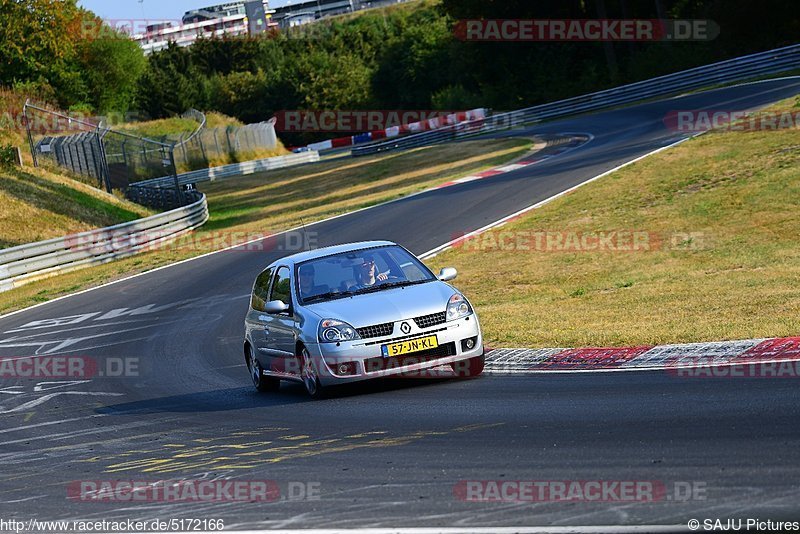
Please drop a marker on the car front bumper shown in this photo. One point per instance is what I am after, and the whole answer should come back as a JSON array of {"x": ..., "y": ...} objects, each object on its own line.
[{"x": 366, "y": 360}]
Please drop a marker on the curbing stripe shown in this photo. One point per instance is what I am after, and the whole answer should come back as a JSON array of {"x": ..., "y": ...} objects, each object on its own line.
[
  {"x": 282, "y": 232},
  {"x": 433, "y": 252},
  {"x": 576, "y": 140},
  {"x": 678, "y": 356}
]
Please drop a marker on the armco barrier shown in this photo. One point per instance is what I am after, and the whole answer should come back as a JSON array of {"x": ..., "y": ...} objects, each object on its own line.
[
  {"x": 232, "y": 170},
  {"x": 724, "y": 72},
  {"x": 35, "y": 261},
  {"x": 433, "y": 123}
]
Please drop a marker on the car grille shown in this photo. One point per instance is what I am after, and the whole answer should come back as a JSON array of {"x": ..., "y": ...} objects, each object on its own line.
[
  {"x": 372, "y": 365},
  {"x": 426, "y": 321},
  {"x": 377, "y": 330}
]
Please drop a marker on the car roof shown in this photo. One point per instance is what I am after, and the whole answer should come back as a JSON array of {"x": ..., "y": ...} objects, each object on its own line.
[{"x": 301, "y": 257}]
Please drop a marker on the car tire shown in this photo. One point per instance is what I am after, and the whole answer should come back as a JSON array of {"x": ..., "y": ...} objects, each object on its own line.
[
  {"x": 308, "y": 373},
  {"x": 264, "y": 384},
  {"x": 470, "y": 368}
]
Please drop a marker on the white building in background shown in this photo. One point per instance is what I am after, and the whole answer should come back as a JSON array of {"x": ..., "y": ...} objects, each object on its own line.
[
  {"x": 245, "y": 17},
  {"x": 233, "y": 19},
  {"x": 214, "y": 12},
  {"x": 298, "y": 12}
]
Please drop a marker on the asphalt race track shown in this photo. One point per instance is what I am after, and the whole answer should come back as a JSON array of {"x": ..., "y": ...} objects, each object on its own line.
[{"x": 391, "y": 453}]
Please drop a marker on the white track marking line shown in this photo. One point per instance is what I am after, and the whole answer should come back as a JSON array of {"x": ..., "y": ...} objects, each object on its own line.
[
  {"x": 523, "y": 162},
  {"x": 262, "y": 238},
  {"x": 50, "y": 423},
  {"x": 433, "y": 252},
  {"x": 10, "y": 314},
  {"x": 45, "y": 398}
]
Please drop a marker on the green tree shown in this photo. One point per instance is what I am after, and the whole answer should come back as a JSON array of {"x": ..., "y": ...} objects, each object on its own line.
[
  {"x": 39, "y": 40},
  {"x": 112, "y": 66},
  {"x": 171, "y": 84},
  {"x": 331, "y": 81}
]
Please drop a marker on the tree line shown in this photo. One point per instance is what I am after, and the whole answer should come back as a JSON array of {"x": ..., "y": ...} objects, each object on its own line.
[{"x": 403, "y": 57}]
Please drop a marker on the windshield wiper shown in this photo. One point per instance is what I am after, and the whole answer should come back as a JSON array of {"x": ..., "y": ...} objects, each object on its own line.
[
  {"x": 381, "y": 287},
  {"x": 328, "y": 295},
  {"x": 377, "y": 287}
]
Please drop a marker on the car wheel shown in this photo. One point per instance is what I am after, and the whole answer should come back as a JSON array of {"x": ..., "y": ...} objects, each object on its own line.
[
  {"x": 309, "y": 375},
  {"x": 469, "y": 368},
  {"x": 264, "y": 384}
]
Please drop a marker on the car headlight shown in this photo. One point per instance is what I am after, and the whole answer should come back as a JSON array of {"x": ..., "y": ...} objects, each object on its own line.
[
  {"x": 458, "y": 307},
  {"x": 334, "y": 331}
]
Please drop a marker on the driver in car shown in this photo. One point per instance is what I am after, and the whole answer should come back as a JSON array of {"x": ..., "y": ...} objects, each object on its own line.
[{"x": 367, "y": 274}]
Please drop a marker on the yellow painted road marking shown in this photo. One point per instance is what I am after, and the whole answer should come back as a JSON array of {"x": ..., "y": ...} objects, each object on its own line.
[{"x": 271, "y": 452}]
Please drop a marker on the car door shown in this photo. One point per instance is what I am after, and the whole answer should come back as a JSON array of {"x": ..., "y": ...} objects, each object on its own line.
[
  {"x": 281, "y": 326},
  {"x": 257, "y": 318}
]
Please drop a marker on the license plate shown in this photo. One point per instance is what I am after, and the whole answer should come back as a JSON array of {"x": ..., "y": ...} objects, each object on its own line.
[{"x": 412, "y": 345}]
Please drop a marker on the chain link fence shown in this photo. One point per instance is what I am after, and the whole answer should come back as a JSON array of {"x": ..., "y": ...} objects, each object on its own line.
[
  {"x": 63, "y": 141},
  {"x": 109, "y": 159},
  {"x": 131, "y": 159},
  {"x": 117, "y": 160},
  {"x": 212, "y": 147}
]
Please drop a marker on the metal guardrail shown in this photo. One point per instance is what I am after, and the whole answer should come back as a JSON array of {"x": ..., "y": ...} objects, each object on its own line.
[
  {"x": 35, "y": 261},
  {"x": 161, "y": 198},
  {"x": 723, "y": 72},
  {"x": 229, "y": 171}
]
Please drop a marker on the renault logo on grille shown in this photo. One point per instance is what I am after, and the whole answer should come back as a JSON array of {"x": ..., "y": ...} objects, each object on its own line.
[{"x": 405, "y": 328}]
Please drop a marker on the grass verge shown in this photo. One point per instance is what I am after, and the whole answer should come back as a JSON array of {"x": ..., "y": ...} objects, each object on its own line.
[
  {"x": 37, "y": 205},
  {"x": 215, "y": 151},
  {"x": 720, "y": 217},
  {"x": 270, "y": 202}
]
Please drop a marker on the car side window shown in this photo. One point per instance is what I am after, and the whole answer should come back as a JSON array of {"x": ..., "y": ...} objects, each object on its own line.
[
  {"x": 282, "y": 288},
  {"x": 261, "y": 289}
]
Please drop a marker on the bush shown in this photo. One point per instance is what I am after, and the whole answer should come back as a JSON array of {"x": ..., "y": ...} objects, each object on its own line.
[{"x": 8, "y": 156}]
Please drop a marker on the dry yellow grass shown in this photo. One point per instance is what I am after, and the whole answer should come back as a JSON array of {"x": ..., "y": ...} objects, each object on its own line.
[
  {"x": 331, "y": 188},
  {"x": 36, "y": 204},
  {"x": 309, "y": 193},
  {"x": 737, "y": 277}
]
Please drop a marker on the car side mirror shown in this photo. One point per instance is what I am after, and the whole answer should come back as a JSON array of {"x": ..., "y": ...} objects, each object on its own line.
[
  {"x": 276, "y": 306},
  {"x": 447, "y": 274}
]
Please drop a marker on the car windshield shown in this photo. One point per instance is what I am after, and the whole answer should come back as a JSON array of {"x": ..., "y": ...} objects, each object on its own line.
[{"x": 357, "y": 272}]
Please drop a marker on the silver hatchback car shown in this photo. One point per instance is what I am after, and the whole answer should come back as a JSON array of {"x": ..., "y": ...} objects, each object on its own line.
[{"x": 355, "y": 312}]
